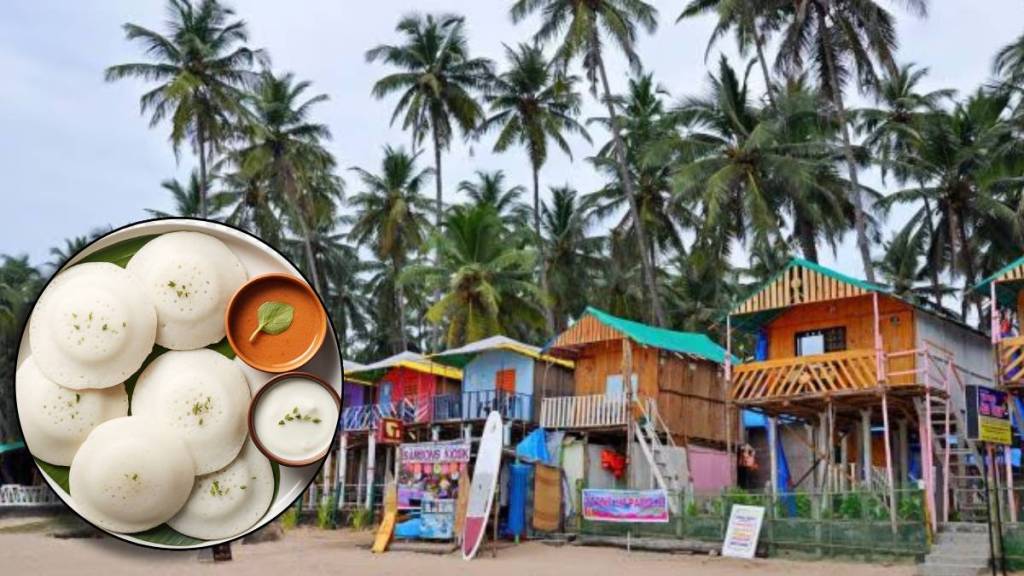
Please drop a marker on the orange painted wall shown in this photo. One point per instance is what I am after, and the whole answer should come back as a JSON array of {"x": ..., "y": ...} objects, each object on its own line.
[{"x": 856, "y": 314}]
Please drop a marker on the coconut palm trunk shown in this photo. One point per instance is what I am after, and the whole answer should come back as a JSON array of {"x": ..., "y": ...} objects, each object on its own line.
[
  {"x": 399, "y": 306},
  {"x": 201, "y": 143},
  {"x": 542, "y": 262},
  {"x": 759, "y": 46},
  {"x": 933, "y": 269},
  {"x": 646, "y": 260},
  {"x": 859, "y": 218}
]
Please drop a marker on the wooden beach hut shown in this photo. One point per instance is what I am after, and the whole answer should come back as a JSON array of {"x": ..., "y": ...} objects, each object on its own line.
[
  {"x": 499, "y": 373},
  {"x": 845, "y": 356},
  {"x": 663, "y": 388}
]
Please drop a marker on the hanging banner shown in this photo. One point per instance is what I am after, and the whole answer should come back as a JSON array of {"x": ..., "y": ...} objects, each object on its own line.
[
  {"x": 430, "y": 471},
  {"x": 644, "y": 506},
  {"x": 988, "y": 415},
  {"x": 434, "y": 452},
  {"x": 743, "y": 532}
]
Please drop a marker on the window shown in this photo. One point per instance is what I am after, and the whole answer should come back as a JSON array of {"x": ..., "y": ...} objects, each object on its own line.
[
  {"x": 820, "y": 341},
  {"x": 613, "y": 386},
  {"x": 505, "y": 381}
]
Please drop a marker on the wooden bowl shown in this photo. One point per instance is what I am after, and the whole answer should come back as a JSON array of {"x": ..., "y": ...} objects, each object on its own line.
[{"x": 282, "y": 352}]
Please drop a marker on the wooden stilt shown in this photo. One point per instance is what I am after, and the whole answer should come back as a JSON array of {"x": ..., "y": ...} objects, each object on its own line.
[
  {"x": 1011, "y": 500},
  {"x": 903, "y": 450},
  {"x": 773, "y": 451},
  {"x": 888, "y": 461},
  {"x": 371, "y": 460},
  {"x": 342, "y": 474},
  {"x": 866, "y": 461}
]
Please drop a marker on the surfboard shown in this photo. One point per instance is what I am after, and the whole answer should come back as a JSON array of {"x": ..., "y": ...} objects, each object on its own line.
[
  {"x": 481, "y": 489},
  {"x": 387, "y": 525}
]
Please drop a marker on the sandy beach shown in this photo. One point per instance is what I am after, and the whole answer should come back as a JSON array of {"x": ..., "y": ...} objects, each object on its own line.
[{"x": 26, "y": 548}]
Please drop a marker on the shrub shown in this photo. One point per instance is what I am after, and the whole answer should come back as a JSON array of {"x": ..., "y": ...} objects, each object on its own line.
[
  {"x": 290, "y": 518},
  {"x": 325, "y": 513},
  {"x": 361, "y": 519}
]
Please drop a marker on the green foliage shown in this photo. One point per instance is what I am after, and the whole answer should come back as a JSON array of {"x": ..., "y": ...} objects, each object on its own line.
[
  {"x": 290, "y": 518},
  {"x": 361, "y": 519},
  {"x": 325, "y": 513}
]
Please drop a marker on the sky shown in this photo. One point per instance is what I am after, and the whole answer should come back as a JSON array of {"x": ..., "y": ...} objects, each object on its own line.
[{"x": 75, "y": 153}]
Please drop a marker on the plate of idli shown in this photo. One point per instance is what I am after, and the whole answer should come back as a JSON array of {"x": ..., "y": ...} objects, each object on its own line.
[{"x": 131, "y": 397}]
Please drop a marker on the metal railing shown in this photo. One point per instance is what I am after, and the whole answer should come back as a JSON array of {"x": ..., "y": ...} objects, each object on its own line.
[{"x": 17, "y": 496}]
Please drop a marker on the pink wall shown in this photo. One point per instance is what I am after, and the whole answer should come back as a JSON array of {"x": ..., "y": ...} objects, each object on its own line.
[{"x": 711, "y": 469}]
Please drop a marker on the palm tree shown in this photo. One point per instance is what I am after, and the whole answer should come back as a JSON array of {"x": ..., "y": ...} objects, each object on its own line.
[
  {"x": 20, "y": 284},
  {"x": 391, "y": 219},
  {"x": 902, "y": 269},
  {"x": 436, "y": 79},
  {"x": 285, "y": 151},
  {"x": 489, "y": 188},
  {"x": 644, "y": 124},
  {"x": 835, "y": 35},
  {"x": 532, "y": 103},
  {"x": 960, "y": 160},
  {"x": 893, "y": 131},
  {"x": 1008, "y": 64},
  {"x": 583, "y": 22},
  {"x": 571, "y": 254},
  {"x": 188, "y": 199},
  {"x": 201, "y": 67},
  {"x": 750, "y": 20},
  {"x": 749, "y": 168},
  {"x": 486, "y": 282}
]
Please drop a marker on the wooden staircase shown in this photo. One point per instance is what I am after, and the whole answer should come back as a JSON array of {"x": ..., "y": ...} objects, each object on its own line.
[
  {"x": 655, "y": 440},
  {"x": 962, "y": 487}
]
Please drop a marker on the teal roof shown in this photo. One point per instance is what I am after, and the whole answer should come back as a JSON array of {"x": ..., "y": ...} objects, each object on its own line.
[
  {"x": 11, "y": 446},
  {"x": 1006, "y": 291},
  {"x": 691, "y": 343}
]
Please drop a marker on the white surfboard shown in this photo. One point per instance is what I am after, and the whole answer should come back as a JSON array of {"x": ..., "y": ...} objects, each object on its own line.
[{"x": 481, "y": 490}]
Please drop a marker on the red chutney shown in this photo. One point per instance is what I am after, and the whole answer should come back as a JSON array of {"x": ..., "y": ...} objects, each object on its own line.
[{"x": 276, "y": 352}]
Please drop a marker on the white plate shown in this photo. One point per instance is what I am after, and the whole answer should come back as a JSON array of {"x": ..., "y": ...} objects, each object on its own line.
[{"x": 258, "y": 258}]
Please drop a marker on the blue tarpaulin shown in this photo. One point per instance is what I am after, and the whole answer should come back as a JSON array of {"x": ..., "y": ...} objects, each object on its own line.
[
  {"x": 518, "y": 486},
  {"x": 534, "y": 448}
]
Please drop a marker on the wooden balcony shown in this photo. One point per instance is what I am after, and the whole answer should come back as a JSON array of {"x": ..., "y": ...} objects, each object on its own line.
[
  {"x": 838, "y": 373},
  {"x": 579, "y": 412},
  {"x": 1011, "y": 362},
  {"x": 477, "y": 404}
]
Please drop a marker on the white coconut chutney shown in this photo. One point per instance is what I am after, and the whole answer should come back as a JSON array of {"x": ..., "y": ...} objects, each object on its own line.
[{"x": 295, "y": 420}]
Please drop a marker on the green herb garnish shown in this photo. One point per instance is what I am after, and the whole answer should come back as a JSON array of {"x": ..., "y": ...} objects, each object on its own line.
[
  {"x": 216, "y": 490},
  {"x": 274, "y": 318},
  {"x": 296, "y": 416}
]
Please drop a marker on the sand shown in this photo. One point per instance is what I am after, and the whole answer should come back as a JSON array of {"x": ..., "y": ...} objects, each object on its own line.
[{"x": 308, "y": 552}]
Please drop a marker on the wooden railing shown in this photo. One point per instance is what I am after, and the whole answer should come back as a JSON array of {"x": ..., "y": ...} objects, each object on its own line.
[
  {"x": 595, "y": 411},
  {"x": 821, "y": 374},
  {"x": 1011, "y": 361},
  {"x": 477, "y": 404}
]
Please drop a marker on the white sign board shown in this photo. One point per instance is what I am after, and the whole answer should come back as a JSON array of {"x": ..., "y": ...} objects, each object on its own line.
[{"x": 743, "y": 532}]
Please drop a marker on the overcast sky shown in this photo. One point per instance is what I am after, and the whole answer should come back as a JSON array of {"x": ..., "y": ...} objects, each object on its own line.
[{"x": 75, "y": 154}]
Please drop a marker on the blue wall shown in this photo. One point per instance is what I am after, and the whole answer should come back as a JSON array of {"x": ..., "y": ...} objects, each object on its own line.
[{"x": 479, "y": 374}]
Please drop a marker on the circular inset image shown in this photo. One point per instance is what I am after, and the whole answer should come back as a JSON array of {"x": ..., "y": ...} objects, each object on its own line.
[{"x": 132, "y": 393}]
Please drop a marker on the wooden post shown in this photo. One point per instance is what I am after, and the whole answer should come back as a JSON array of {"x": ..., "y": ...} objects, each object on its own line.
[
  {"x": 371, "y": 459},
  {"x": 342, "y": 475},
  {"x": 1011, "y": 500},
  {"x": 903, "y": 449},
  {"x": 888, "y": 462},
  {"x": 627, "y": 384},
  {"x": 879, "y": 349},
  {"x": 865, "y": 447},
  {"x": 728, "y": 398},
  {"x": 773, "y": 451}
]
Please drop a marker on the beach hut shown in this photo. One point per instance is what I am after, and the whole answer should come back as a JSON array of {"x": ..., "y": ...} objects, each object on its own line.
[
  {"x": 847, "y": 356},
  {"x": 499, "y": 373},
  {"x": 401, "y": 387},
  {"x": 663, "y": 388},
  {"x": 1005, "y": 293}
]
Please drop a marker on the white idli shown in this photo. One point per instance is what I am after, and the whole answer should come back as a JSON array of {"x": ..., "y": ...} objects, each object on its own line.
[
  {"x": 190, "y": 278},
  {"x": 230, "y": 501},
  {"x": 202, "y": 397},
  {"x": 130, "y": 475},
  {"x": 56, "y": 420},
  {"x": 93, "y": 327}
]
